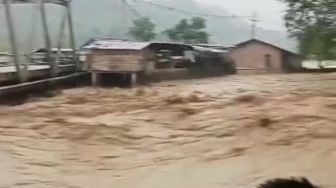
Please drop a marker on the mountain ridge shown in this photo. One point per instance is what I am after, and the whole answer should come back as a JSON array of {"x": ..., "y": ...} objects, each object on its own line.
[{"x": 111, "y": 18}]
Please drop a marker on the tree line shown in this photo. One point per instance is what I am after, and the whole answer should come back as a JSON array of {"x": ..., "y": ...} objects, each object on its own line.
[
  {"x": 187, "y": 31},
  {"x": 313, "y": 24}
]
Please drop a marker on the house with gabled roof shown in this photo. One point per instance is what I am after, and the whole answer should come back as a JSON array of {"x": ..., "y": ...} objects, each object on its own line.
[{"x": 255, "y": 56}]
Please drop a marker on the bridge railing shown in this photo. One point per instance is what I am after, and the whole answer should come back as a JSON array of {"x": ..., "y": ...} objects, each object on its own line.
[{"x": 18, "y": 60}]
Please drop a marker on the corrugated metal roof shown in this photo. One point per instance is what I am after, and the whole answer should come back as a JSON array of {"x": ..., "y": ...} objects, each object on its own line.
[
  {"x": 105, "y": 44},
  {"x": 212, "y": 50},
  {"x": 62, "y": 2}
]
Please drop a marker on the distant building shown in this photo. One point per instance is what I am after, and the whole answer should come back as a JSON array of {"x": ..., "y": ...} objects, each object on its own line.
[
  {"x": 151, "y": 60},
  {"x": 311, "y": 65},
  {"x": 110, "y": 56},
  {"x": 255, "y": 56}
]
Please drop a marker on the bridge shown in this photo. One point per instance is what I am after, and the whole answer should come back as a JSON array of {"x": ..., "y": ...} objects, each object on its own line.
[
  {"x": 25, "y": 70},
  {"x": 34, "y": 72}
]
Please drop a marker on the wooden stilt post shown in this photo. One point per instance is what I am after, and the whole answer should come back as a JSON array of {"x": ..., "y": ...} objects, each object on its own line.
[
  {"x": 95, "y": 78},
  {"x": 53, "y": 68},
  {"x": 12, "y": 37},
  {"x": 134, "y": 79}
]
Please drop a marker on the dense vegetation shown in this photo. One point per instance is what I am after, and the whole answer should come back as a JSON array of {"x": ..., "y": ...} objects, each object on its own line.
[
  {"x": 313, "y": 24},
  {"x": 193, "y": 32},
  {"x": 143, "y": 29}
]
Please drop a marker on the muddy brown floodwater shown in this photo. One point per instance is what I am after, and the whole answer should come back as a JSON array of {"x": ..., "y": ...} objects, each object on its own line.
[{"x": 227, "y": 132}]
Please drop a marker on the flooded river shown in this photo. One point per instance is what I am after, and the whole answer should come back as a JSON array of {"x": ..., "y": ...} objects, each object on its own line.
[{"x": 229, "y": 132}]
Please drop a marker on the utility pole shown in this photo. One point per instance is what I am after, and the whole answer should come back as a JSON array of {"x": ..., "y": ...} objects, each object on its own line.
[
  {"x": 125, "y": 16},
  {"x": 53, "y": 68},
  {"x": 254, "y": 20},
  {"x": 12, "y": 37},
  {"x": 72, "y": 35}
]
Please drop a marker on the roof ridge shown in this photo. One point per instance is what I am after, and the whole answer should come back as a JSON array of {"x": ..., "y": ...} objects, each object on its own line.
[{"x": 267, "y": 43}]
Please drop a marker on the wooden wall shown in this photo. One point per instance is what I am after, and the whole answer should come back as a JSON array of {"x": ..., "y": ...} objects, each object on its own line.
[{"x": 116, "y": 60}]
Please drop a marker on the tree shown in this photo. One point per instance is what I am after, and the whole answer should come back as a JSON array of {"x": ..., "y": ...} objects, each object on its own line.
[
  {"x": 312, "y": 23},
  {"x": 189, "y": 32},
  {"x": 198, "y": 23},
  {"x": 143, "y": 29},
  {"x": 316, "y": 49}
]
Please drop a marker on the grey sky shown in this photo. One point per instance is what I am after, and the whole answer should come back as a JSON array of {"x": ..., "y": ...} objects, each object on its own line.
[{"x": 270, "y": 12}]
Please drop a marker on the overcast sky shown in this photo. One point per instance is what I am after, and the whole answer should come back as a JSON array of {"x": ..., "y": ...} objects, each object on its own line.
[{"x": 270, "y": 12}]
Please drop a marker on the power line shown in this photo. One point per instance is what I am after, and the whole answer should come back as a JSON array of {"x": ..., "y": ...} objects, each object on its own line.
[
  {"x": 174, "y": 9},
  {"x": 183, "y": 11},
  {"x": 253, "y": 18},
  {"x": 135, "y": 11}
]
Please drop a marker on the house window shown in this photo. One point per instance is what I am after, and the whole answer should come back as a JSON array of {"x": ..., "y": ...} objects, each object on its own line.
[{"x": 268, "y": 61}]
